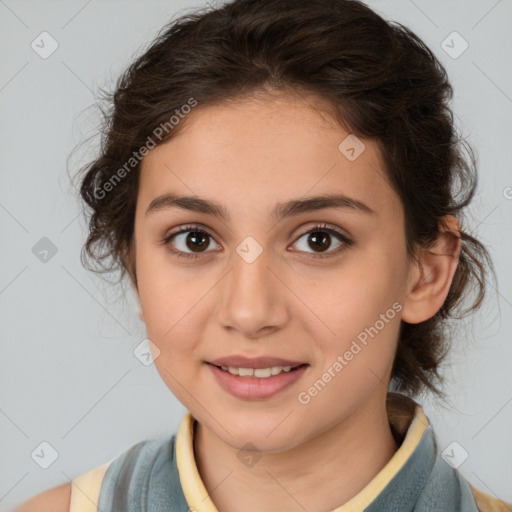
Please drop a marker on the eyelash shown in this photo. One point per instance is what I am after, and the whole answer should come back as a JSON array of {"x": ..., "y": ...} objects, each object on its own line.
[{"x": 319, "y": 227}]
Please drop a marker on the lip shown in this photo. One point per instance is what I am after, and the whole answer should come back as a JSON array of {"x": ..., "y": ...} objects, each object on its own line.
[
  {"x": 239, "y": 361},
  {"x": 254, "y": 388}
]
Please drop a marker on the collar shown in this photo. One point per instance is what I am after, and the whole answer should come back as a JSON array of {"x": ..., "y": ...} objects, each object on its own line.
[{"x": 408, "y": 424}]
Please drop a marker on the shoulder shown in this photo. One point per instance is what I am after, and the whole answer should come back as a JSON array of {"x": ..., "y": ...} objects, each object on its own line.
[
  {"x": 137, "y": 472},
  {"x": 93, "y": 486},
  {"x": 145, "y": 473},
  {"x": 445, "y": 486},
  {"x": 79, "y": 495},
  {"x": 124, "y": 473},
  {"x": 487, "y": 503},
  {"x": 86, "y": 489},
  {"x": 56, "y": 499}
]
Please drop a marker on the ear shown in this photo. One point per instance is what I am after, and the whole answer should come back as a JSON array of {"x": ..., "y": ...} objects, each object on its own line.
[{"x": 432, "y": 274}]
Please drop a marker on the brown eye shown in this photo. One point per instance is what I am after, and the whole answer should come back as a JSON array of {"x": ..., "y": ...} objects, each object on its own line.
[
  {"x": 197, "y": 240},
  {"x": 190, "y": 242},
  {"x": 319, "y": 239}
]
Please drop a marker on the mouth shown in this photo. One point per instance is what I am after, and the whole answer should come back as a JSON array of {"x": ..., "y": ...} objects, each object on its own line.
[
  {"x": 256, "y": 383},
  {"x": 259, "y": 373}
]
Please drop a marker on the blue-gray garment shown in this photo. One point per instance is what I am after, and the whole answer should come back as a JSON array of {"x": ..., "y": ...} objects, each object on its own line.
[{"x": 145, "y": 479}]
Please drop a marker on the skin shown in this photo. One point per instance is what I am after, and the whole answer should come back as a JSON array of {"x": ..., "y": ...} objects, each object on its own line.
[
  {"x": 249, "y": 155},
  {"x": 56, "y": 499}
]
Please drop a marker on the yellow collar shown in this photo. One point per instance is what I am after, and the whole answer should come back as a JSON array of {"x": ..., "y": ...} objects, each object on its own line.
[{"x": 407, "y": 421}]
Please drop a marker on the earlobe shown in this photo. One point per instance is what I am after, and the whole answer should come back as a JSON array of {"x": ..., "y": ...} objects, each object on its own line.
[{"x": 433, "y": 274}]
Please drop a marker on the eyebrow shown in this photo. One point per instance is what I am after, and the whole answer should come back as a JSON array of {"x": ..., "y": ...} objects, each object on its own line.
[{"x": 282, "y": 210}]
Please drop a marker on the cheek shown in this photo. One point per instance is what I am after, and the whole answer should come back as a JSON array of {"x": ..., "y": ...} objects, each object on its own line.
[
  {"x": 358, "y": 294},
  {"x": 361, "y": 306},
  {"x": 167, "y": 293},
  {"x": 173, "y": 302}
]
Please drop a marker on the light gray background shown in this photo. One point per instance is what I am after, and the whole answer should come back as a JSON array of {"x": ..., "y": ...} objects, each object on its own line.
[{"x": 67, "y": 369}]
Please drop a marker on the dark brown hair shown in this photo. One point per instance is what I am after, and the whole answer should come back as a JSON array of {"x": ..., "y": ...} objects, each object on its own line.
[{"x": 380, "y": 80}]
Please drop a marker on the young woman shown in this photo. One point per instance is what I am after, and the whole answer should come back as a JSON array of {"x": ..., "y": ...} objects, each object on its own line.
[{"x": 277, "y": 180}]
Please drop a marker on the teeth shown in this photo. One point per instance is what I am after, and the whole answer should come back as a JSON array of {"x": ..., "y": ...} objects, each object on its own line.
[
  {"x": 264, "y": 373},
  {"x": 260, "y": 373}
]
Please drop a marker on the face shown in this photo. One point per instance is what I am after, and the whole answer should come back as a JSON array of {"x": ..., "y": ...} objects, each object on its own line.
[{"x": 318, "y": 287}]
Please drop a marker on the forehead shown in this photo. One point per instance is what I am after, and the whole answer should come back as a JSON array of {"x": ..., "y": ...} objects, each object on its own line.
[{"x": 252, "y": 153}]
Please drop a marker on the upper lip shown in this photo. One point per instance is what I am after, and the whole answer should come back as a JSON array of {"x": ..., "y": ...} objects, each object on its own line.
[{"x": 239, "y": 361}]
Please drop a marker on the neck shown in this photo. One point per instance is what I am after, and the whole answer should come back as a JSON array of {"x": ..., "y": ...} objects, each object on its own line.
[{"x": 354, "y": 450}]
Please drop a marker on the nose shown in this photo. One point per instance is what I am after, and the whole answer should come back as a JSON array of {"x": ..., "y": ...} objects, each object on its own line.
[{"x": 253, "y": 298}]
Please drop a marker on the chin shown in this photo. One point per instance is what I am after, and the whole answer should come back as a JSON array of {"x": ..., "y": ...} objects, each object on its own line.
[{"x": 259, "y": 440}]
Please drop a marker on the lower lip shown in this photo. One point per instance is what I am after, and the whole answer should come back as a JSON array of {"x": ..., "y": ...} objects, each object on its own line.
[{"x": 253, "y": 388}]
